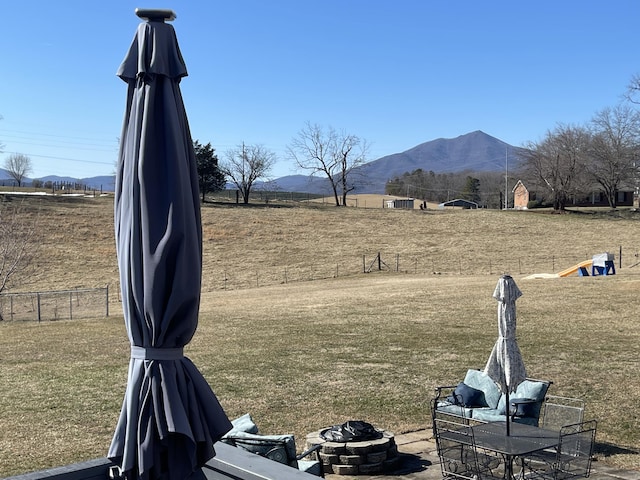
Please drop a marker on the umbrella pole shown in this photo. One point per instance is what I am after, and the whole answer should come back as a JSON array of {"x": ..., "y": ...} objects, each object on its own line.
[{"x": 508, "y": 410}]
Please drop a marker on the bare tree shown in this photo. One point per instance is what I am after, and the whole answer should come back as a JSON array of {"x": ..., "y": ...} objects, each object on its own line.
[
  {"x": 331, "y": 153},
  {"x": 18, "y": 245},
  {"x": 246, "y": 164},
  {"x": 558, "y": 161},
  {"x": 614, "y": 149},
  {"x": 633, "y": 89},
  {"x": 18, "y": 166}
]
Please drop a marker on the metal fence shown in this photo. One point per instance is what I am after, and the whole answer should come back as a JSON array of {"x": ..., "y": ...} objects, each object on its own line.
[
  {"x": 231, "y": 278},
  {"x": 55, "y": 305}
]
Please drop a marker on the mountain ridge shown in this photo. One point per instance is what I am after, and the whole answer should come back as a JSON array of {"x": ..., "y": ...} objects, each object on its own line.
[{"x": 474, "y": 151}]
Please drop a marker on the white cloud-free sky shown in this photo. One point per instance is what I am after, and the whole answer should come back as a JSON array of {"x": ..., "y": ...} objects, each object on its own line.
[{"x": 396, "y": 73}]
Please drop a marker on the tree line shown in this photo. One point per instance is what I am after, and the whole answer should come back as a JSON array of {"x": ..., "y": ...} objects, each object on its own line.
[
  {"x": 484, "y": 188},
  {"x": 323, "y": 151},
  {"x": 601, "y": 155}
]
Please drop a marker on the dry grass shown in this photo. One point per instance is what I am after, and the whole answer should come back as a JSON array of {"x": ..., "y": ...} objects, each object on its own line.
[{"x": 302, "y": 355}]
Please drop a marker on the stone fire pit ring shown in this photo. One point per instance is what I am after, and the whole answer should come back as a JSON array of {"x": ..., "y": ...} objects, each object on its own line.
[{"x": 361, "y": 457}]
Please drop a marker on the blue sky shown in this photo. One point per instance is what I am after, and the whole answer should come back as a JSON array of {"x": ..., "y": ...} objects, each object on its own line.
[{"x": 396, "y": 73}]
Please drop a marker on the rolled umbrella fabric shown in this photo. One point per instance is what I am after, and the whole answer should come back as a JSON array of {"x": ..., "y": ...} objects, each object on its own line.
[
  {"x": 170, "y": 416},
  {"x": 505, "y": 365}
]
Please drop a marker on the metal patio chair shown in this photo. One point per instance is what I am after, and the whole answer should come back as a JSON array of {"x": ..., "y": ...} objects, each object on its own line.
[
  {"x": 571, "y": 459},
  {"x": 460, "y": 458}
]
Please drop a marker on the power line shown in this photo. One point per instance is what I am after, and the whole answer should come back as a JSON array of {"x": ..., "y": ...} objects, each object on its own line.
[{"x": 63, "y": 158}]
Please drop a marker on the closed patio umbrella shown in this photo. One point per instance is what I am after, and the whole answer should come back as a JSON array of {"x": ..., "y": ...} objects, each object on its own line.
[
  {"x": 170, "y": 417},
  {"x": 505, "y": 365}
]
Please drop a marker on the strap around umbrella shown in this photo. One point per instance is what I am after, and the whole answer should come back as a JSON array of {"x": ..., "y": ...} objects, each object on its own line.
[{"x": 143, "y": 353}]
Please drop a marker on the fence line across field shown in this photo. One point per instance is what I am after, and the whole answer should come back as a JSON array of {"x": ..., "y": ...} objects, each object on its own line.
[
  {"x": 55, "y": 305},
  {"x": 236, "y": 277},
  {"x": 94, "y": 302}
]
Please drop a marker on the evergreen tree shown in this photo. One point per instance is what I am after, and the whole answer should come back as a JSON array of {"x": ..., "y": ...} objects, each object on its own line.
[
  {"x": 471, "y": 190},
  {"x": 210, "y": 177}
]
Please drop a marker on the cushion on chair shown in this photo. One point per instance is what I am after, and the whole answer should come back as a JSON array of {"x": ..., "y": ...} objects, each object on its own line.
[
  {"x": 244, "y": 423},
  {"x": 527, "y": 389},
  {"x": 281, "y": 448},
  {"x": 454, "y": 409},
  {"x": 312, "y": 467},
  {"x": 467, "y": 396},
  {"x": 481, "y": 381}
]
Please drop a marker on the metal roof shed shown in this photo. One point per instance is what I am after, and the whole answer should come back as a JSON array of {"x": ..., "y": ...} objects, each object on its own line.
[{"x": 458, "y": 202}]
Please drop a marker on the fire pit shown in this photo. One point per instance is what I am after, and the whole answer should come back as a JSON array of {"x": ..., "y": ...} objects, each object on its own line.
[{"x": 353, "y": 454}]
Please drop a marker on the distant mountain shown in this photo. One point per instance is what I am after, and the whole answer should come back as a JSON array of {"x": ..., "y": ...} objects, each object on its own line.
[
  {"x": 103, "y": 182},
  {"x": 300, "y": 183},
  {"x": 4, "y": 175},
  {"x": 475, "y": 151}
]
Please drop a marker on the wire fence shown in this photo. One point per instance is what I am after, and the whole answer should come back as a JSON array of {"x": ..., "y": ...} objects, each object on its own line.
[
  {"x": 234, "y": 278},
  {"x": 94, "y": 302},
  {"x": 55, "y": 305}
]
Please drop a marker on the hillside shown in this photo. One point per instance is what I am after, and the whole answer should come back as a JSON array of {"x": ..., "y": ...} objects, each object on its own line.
[{"x": 245, "y": 246}]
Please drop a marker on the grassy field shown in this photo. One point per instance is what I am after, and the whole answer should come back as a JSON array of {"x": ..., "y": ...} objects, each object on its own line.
[{"x": 300, "y": 355}]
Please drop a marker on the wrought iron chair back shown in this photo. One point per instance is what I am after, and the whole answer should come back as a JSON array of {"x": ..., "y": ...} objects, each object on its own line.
[
  {"x": 460, "y": 458},
  {"x": 572, "y": 458},
  {"x": 575, "y": 451},
  {"x": 560, "y": 411}
]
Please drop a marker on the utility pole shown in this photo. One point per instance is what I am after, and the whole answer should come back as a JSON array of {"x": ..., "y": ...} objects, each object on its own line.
[{"x": 506, "y": 178}]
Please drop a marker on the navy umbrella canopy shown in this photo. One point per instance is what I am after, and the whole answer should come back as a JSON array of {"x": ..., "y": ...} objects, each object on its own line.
[{"x": 170, "y": 417}]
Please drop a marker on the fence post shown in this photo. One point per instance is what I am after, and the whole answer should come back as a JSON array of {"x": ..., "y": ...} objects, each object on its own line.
[
  {"x": 107, "y": 299},
  {"x": 38, "y": 300},
  {"x": 70, "y": 305},
  {"x": 397, "y": 262}
]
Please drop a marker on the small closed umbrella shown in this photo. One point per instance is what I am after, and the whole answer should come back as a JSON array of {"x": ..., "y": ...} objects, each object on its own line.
[
  {"x": 505, "y": 365},
  {"x": 170, "y": 417}
]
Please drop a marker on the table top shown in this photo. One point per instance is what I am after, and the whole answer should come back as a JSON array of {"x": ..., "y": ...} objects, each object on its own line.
[{"x": 523, "y": 439}]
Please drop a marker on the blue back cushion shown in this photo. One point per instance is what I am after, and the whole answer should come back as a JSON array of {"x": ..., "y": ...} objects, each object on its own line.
[
  {"x": 467, "y": 396},
  {"x": 481, "y": 381}
]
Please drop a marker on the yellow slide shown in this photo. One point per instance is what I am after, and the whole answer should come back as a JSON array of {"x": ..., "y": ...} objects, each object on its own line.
[{"x": 575, "y": 268}]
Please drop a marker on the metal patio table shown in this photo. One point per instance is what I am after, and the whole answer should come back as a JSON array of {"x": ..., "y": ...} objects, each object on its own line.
[{"x": 522, "y": 440}]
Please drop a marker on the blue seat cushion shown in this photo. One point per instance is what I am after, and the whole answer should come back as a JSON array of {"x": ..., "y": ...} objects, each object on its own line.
[
  {"x": 494, "y": 415},
  {"x": 454, "y": 409}
]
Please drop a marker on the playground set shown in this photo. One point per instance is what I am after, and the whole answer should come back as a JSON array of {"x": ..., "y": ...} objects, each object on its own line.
[{"x": 600, "y": 264}]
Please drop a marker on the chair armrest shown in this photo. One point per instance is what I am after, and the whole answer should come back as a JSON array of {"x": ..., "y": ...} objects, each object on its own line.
[
  {"x": 517, "y": 402},
  {"x": 309, "y": 451},
  {"x": 445, "y": 387}
]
